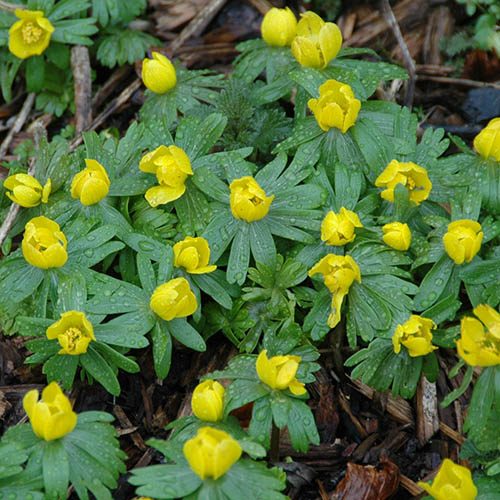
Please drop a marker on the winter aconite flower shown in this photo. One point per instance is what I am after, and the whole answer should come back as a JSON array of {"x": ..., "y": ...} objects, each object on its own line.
[
  {"x": 90, "y": 185},
  {"x": 463, "y": 240},
  {"x": 193, "y": 254},
  {"x": 29, "y": 36},
  {"x": 397, "y": 235},
  {"x": 158, "y": 74},
  {"x": 171, "y": 165},
  {"x": 339, "y": 273},
  {"x": 52, "y": 417},
  {"x": 26, "y": 191},
  {"x": 207, "y": 402},
  {"x": 44, "y": 244},
  {"x": 336, "y": 107},
  {"x": 173, "y": 299},
  {"x": 416, "y": 335},
  {"x": 487, "y": 142},
  {"x": 412, "y": 176},
  {"x": 248, "y": 200},
  {"x": 278, "y": 27},
  {"x": 73, "y": 331},
  {"x": 279, "y": 372},
  {"x": 452, "y": 482},
  {"x": 338, "y": 229},
  {"x": 317, "y": 42},
  {"x": 479, "y": 343},
  {"x": 211, "y": 453}
]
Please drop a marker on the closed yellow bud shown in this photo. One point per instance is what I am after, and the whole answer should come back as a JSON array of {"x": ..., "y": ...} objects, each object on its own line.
[
  {"x": 339, "y": 273},
  {"x": 412, "y": 176},
  {"x": 73, "y": 331},
  {"x": 278, "y": 372},
  {"x": 487, "y": 142},
  {"x": 317, "y": 42},
  {"x": 26, "y": 191},
  {"x": 336, "y": 107},
  {"x": 278, "y": 27},
  {"x": 415, "y": 334},
  {"x": 52, "y": 417},
  {"x": 173, "y": 299},
  {"x": 171, "y": 165},
  {"x": 29, "y": 36},
  {"x": 463, "y": 240},
  {"x": 211, "y": 453},
  {"x": 208, "y": 401},
  {"x": 90, "y": 185},
  {"x": 397, "y": 235},
  {"x": 248, "y": 200},
  {"x": 193, "y": 254},
  {"x": 338, "y": 229},
  {"x": 452, "y": 482},
  {"x": 158, "y": 74},
  {"x": 479, "y": 343},
  {"x": 44, "y": 244}
]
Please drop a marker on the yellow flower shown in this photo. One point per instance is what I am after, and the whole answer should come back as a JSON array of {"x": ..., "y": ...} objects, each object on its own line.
[
  {"x": 211, "y": 453},
  {"x": 26, "y": 191},
  {"x": 278, "y": 372},
  {"x": 158, "y": 74},
  {"x": 410, "y": 175},
  {"x": 90, "y": 185},
  {"x": 171, "y": 165},
  {"x": 73, "y": 331},
  {"x": 248, "y": 200},
  {"x": 317, "y": 42},
  {"x": 397, "y": 235},
  {"x": 44, "y": 244},
  {"x": 452, "y": 482},
  {"x": 173, "y": 299},
  {"x": 415, "y": 334},
  {"x": 193, "y": 254},
  {"x": 338, "y": 229},
  {"x": 463, "y": 240},
  {"x": 487, "y": 142},
  {"x": 336, "y": 107},
  {"x": 339, "y": 272},
  {"x": 29, "y": 36},
  {"x": 208, "y": 401},
  {"x": 479, "y": 346},
  {"x": 278, "y": 27},
  {"x": 52, "y": 417}
]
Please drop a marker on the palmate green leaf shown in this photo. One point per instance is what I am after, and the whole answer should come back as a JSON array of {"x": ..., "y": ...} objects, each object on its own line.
[
  {"x": 118, "y": 46},
  {"x": 434, "y": 283},
  {"x": 214, "y": 285},
  {"x": 261, "y": 422},
  {"x": 193, "y": 210},
  {"x": 127, "y": 330},
  {"x": 115, "y": 12},
  {"x": 305, "y": 131},
  {"x": 301, "y": 426},
  {"x": 182, "y": 331},
  {"x": 316, "y": 321},
  {"x": 165, "y": 481},
  {"x": 67, "y": 8},
  {"x": 243, "y": 391},
  {"x": 61, "y": 368},
  {"x": 162, "y": 349},
  {"x": 255, "y": 479},
  {"x": 9, "y": 66},
  {"x": 74, "y": 31},
  {"x": 21, "y": 282},
  {"x": 55, "y": 470},
  {"x": 115, "y": 358},
  {"x": 98, "y": 368},
  {"x": 381, "y": 368},
  {"x": 71, "y": 292},
  {"x": 239, "y": 258}
]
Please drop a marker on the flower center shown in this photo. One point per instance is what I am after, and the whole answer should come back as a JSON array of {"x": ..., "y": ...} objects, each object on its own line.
[
  {"x": 31, "y": 33},
  {"x": 73, "y": 335},
  {"x": 255, "y": 201},
  {"x": 410, "y": 184}
]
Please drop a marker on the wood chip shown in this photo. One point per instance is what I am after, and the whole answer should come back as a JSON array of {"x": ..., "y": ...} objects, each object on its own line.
[{"x": 427, "y": 410}]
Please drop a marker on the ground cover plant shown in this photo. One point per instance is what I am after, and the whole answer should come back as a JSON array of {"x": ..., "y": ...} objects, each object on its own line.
[{"x": 275, "y": 209}]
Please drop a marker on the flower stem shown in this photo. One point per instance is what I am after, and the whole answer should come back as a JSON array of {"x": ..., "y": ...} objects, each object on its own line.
[{"x": 274, "y": 453}]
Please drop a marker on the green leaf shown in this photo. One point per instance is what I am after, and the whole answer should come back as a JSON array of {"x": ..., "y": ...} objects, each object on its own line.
[
  {"x": 35, "y": 73},
  {"x": 162, "y": 349},
  {"x": 455, "y": 394},
  {"x": 62, "y": 369},
  {"x": 239, "y": 258},
  {"x": 262, "y": 244},
  {"x": 146, "y": 273},
  {"x": 117, "y": 359},
  {"x": 280, "y": 407},
  {"x": 21, "y": 283},
  {"x": 261, "y": 422},
  {"x": 97, "y": 366},
  {"x": 74, "y": 31},
  {"x": 243, "y": 391},
  {"x": 146, "y": 245},
  {"x": 181, "y": 330},
  {"x": 214, "y": 288},
  {"x": 301, "y": 426},
  {"x": 433, "y": 284},
  {"x": 55, "y": 470},
  {"x": 482, "y": 401}
]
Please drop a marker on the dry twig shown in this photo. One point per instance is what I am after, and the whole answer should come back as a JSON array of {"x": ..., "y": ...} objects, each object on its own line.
[{"x": 80, "y": 65}]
